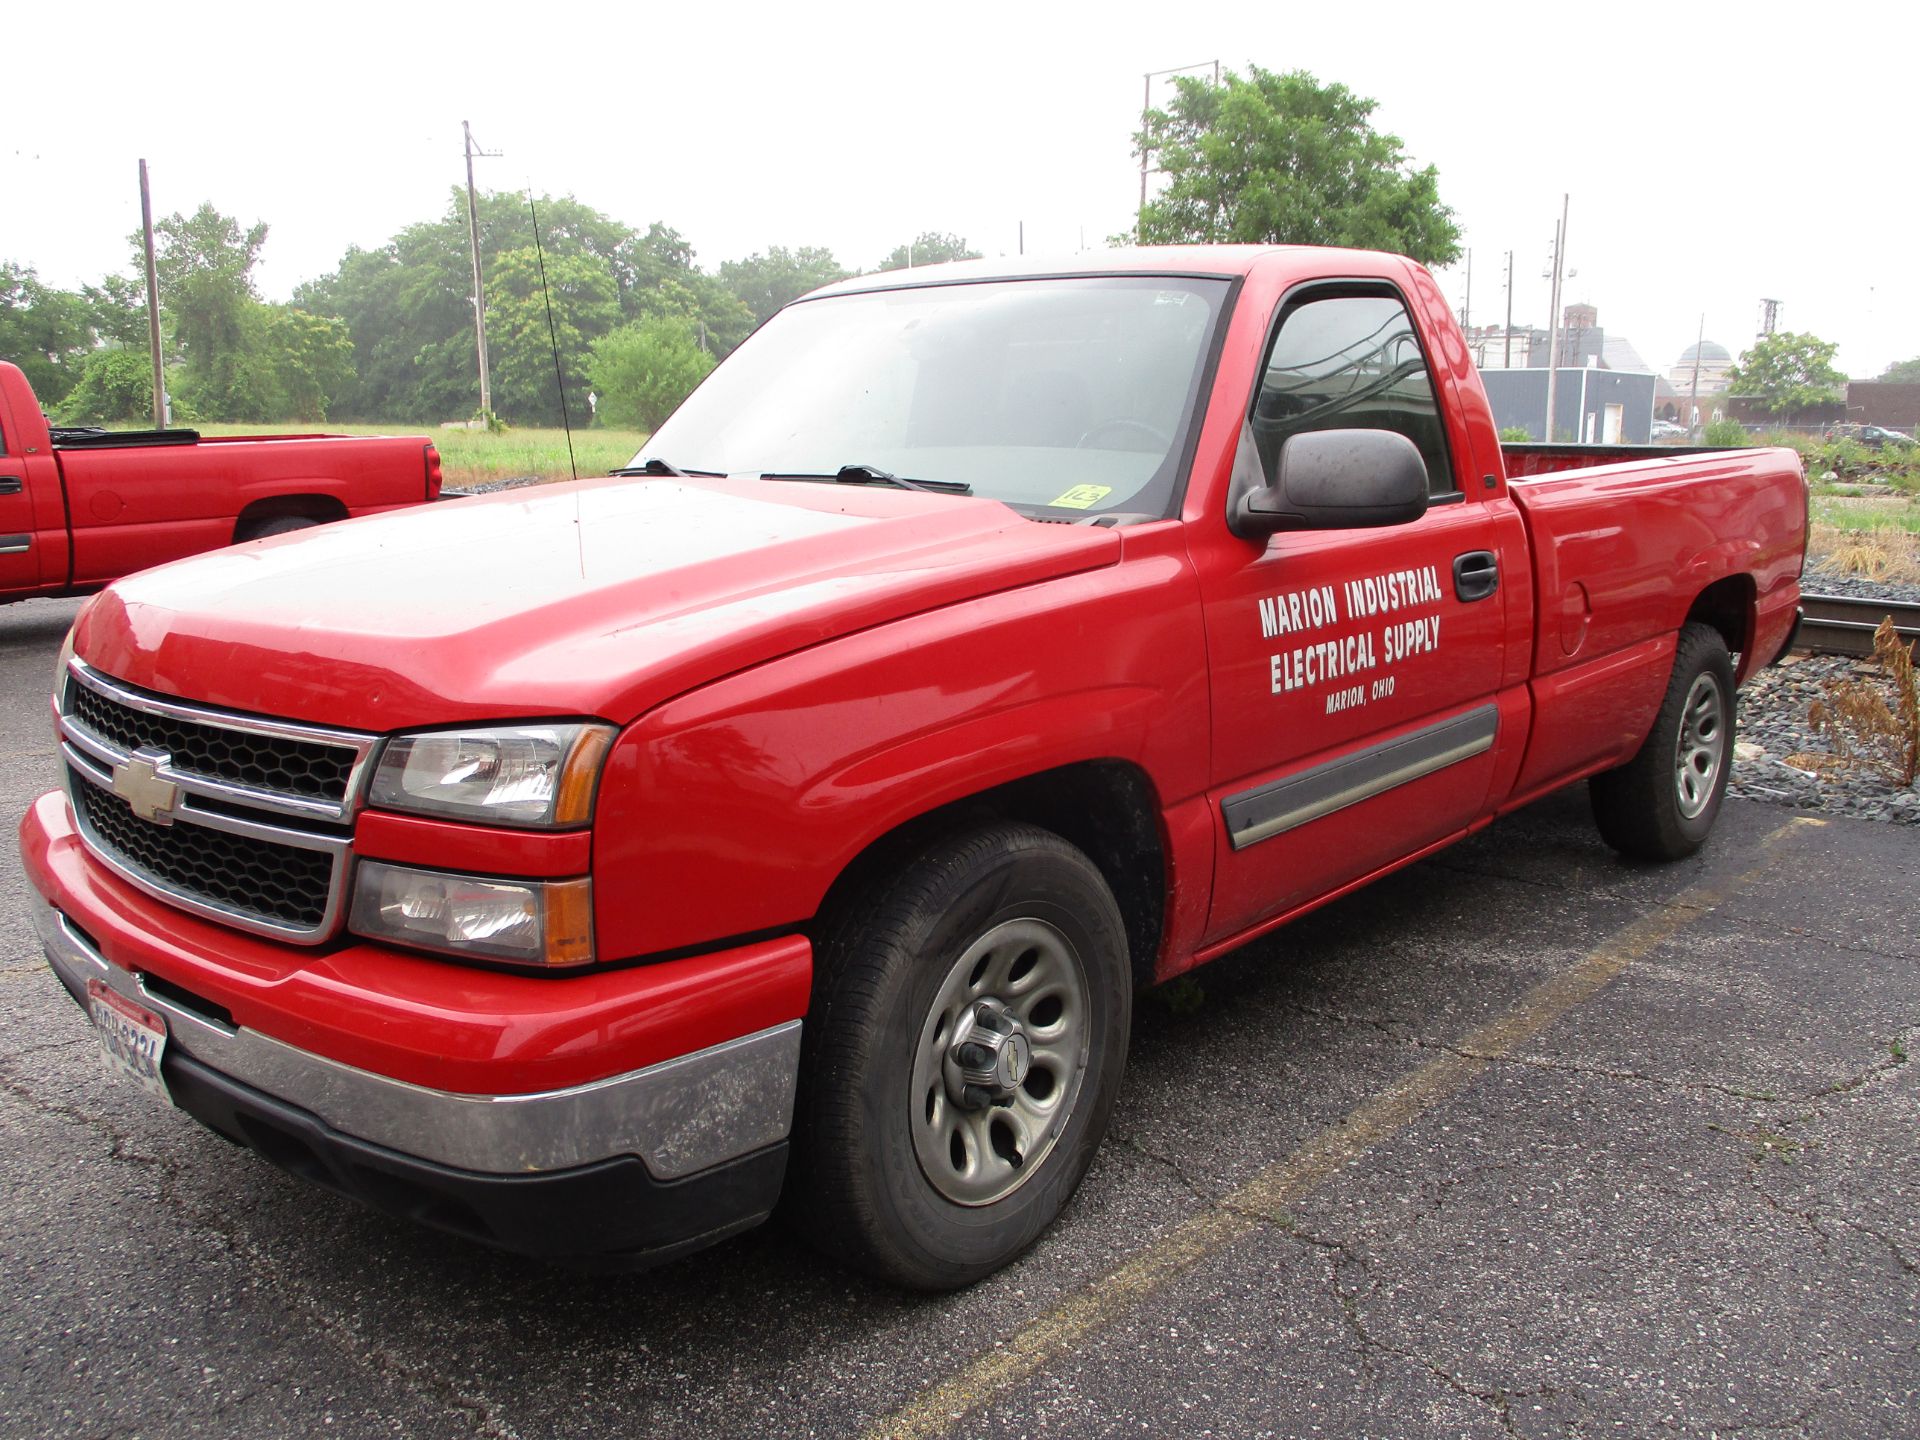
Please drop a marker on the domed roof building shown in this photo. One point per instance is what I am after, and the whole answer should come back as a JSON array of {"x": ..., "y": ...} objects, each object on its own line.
[{"x": 1715, "y": 361}]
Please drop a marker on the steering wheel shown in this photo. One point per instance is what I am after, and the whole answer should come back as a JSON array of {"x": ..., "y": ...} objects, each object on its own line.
[{"x": 1137, "y": 427}]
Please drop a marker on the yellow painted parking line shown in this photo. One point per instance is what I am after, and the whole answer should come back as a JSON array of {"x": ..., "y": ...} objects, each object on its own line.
[{"x": 1262, "y": 1200}]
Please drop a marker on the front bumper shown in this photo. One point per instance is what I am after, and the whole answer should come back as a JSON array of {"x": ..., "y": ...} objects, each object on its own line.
[{"x": 643, "y": 1162}]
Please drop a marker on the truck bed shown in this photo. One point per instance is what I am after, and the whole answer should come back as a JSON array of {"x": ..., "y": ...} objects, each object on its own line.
[
  {"x": 1525, "y": 461},
  {"x": 1614, "y": 583}
]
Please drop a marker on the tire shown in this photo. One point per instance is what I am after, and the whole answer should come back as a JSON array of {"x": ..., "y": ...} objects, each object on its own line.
[
  {"x": 279, "y": 525},
  {"x": 905, "y": 1168},
  {"x": 1661, "y": 804}
]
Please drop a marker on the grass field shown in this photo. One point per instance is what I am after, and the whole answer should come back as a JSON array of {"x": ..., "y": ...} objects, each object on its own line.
[{"x": 469, "y": 457}]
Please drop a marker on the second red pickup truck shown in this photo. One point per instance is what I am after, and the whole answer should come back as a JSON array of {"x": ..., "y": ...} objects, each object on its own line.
[
  {"x": 799, "y": 812},
  {"x": 79, "y": 508}
]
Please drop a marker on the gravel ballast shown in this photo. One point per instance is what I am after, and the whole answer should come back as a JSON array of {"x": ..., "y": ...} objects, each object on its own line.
[{"x": 1773, "y": 725}]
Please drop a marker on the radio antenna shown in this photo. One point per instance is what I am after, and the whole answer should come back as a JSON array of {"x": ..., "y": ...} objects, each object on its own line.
[{"x": 553, "y": 334}]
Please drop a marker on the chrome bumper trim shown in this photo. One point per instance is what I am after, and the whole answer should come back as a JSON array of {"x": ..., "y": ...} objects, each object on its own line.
[{"x": 679, "y": 1116}]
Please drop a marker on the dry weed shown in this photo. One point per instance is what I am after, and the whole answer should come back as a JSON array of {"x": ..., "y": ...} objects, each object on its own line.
[
  {"x": 1887, "y": 555},
  {"x": 1872, "y": 720}
]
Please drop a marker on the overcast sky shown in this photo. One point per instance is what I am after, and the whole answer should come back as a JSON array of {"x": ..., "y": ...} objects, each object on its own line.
[{"x": 1715, "y": 154}]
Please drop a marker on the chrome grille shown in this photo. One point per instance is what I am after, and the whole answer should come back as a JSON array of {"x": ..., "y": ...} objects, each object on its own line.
[
  {"x": 280, "y": 884},
  {"x": 263, "y": 762},
  {"x": 243, "y": 819}
]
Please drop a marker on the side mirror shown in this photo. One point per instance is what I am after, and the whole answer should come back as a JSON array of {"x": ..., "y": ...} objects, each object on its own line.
[{"x": 1335, "y": 480}]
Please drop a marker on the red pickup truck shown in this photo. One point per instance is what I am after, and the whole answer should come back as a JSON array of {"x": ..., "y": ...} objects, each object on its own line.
[
  {"x": 799, "y": 811},
  {"x": 80, "y": 508}
]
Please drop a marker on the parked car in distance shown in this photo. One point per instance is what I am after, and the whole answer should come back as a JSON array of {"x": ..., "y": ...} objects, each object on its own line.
[
  {"x": 1874, "y": 437},
  {"x": 1668, "y": 430}
]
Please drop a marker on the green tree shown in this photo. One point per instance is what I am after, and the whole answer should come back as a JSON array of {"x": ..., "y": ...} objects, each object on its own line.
[
  {"x": 407, "y": 309},
  {"x": 1788, "y": 371},
  {"x": 312, "y": 357},
  {"x": 115, "y": 386},
  {"x": 205, "y": 263},
  {"x": 117, "y": 310},
  {"x": 929, "y": 247},
  {"x": 643, "y": 371},
  {"x": 214, "y": 318},
  {"x": 1903, "y": 372},
  {"x": 1282, "y": 159},
  {"x": 585, "y": 302},
  {"x": 42, "y": 330},
  {"x": 764, "y": 283}
]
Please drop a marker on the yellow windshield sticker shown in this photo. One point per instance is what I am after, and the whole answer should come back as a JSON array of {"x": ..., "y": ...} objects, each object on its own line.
[{"x": 1082, "y": 497}]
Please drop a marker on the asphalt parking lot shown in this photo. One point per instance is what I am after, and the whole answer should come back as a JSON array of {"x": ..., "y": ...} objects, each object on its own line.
[{"x": 1522, "y": 1141}]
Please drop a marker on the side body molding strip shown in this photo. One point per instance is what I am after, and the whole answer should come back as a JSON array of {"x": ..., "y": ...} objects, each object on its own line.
[{"x": 1281, "y": 805}]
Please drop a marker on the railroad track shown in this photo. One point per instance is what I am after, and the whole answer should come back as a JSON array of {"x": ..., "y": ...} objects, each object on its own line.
[{"x": 1842, "y": 625}]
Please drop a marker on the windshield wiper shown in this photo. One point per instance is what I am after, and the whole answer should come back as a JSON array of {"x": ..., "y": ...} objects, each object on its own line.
[
  {"x": 654, "y": 465},
  {"x": 874, "y": 475}
]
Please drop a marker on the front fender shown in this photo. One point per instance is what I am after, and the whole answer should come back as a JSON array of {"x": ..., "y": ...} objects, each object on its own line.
[{"x": 732, "y": 809}]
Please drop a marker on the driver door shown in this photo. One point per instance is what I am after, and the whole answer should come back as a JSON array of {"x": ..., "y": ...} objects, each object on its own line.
[{"x": 1353, "y": 671}]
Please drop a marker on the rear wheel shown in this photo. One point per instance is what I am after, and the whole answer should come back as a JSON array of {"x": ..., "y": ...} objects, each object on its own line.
[
  {"x": 1661, "y": 804},
  {"x": 278, "y": 525},
  {"x": 968, "y": 1032}
]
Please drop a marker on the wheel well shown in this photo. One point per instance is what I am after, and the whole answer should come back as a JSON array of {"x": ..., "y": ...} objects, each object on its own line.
[
  {"x": 1105, "y": 808},
  {"x": 321, "y": 508},
  {"x": 1728, "y": 605}
]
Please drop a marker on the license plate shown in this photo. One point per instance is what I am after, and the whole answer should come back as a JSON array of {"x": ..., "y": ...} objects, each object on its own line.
[{"x": 132, "y": 1038}]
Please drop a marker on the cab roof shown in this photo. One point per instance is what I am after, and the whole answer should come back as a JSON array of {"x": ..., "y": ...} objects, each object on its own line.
[{"x": 1223, "y": 261}]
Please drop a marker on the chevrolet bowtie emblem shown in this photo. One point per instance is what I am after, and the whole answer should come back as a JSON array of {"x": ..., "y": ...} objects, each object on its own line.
[{"x": 138, "y": 782}]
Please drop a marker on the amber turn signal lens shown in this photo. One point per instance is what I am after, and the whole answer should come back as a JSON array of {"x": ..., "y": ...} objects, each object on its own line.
[{"x": 573, "y": 797}]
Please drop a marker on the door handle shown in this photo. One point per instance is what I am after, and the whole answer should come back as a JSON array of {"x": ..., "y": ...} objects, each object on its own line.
[
  {"x": 10, "y": 485},
  {"x": 1476, "y": 574}
]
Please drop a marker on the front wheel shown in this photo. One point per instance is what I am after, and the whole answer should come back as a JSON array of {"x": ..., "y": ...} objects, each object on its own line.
[
  {"x": 1662, "y": 803},
  {"x": 969, "y": 1028}
]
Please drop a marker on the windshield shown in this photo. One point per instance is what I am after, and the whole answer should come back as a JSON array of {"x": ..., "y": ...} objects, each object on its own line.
[{"x": 1068, "y": 397}]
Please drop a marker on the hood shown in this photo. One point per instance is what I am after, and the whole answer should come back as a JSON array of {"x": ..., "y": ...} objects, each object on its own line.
[{"x": 596, "y": 598}]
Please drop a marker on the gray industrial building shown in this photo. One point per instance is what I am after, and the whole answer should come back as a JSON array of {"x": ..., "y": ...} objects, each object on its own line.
[{"x": 1591, "y": 406}]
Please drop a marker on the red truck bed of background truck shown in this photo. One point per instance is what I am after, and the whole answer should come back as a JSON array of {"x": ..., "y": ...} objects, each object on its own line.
[
  {"x": 895, "y": 796},
  {"x": 76, "y": 515}
]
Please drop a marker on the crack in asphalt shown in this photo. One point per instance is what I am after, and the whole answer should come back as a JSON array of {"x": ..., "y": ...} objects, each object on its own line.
[
  {"x": 1498, "y": 1400},
  {"x": 1369, "y": 1345},
  {"x": 1897, "y": 1052},
  {"x": 1900, "y": 1256},
  {"x": 332, "y": 1322}
]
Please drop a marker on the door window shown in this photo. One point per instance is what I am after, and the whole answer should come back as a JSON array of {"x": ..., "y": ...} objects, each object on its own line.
[{"x": 1350, "y": 362}]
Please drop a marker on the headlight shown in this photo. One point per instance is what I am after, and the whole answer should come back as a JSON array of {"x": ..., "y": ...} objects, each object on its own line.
[
  {"x": 533, "y": 775},
  {"x": 533, "y": 922}
]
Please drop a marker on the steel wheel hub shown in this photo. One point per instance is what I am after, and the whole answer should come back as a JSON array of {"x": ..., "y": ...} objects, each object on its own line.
[
  {"x": 1001, "y": 1056},
  {"x": 1701, "y": 749},
  {"x": 987, "y": 1058}
]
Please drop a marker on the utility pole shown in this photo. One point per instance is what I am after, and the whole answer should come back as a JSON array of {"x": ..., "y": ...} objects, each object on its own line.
[
  {"x": 1509, "y": 361},
  {"x": 1146, "y": 109},
  {"x": 479, "y": 292},
  {"x": 1466, "y": 305},
  {"x": 1693, "y": 402},
  {"x": 153, "y": 306},
  {"x": 1553, "y": 319}
]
